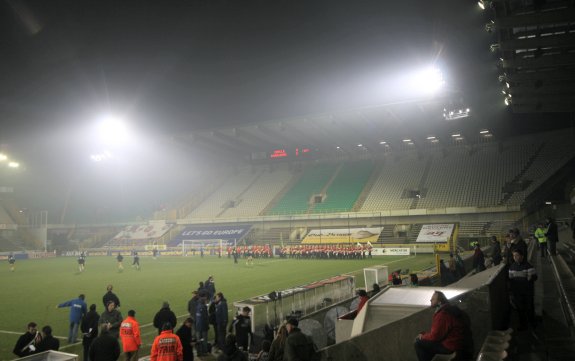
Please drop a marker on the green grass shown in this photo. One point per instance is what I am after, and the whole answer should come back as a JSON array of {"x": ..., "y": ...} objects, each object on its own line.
[{"x": 34, "y": 290}]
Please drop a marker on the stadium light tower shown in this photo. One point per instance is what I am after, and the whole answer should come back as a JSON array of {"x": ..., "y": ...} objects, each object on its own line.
[{"x": 428, "y": 80}]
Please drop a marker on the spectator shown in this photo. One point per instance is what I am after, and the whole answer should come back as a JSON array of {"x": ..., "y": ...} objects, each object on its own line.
[
  {"x": 130, "y": 335},
  {"x": 231, "y": 351},
  {"x": 478, "y": 259},
  {"x": 298, "y": 345},
  {"x": 395, "y": 279},
  {"x": 78, "y": 309},
  {"x": 210, "y": 287},
  {"x": 495, "y": 251},
  {"x": 264, "y": 354},
  {"x": 449, "y": 333},
  {"x": 541, "y": 238},
  {"x": 48, "y": 341},
  {"x": 105, "y": 347},
  {"x": 522, "y": 276},
  {"x": 89, "y": 328},
  {"x": 552, "y": 236},
  {"x": 363, "y": 298},
  {"x": 110, "y": 296},
  {"x": 202, "y": 327},
  {"x": 221, "y": 319},
  {"x": 112, "y": 319},
  {"x": 167, "y": 346},
  {"x": 26, "y": 343},
  {"x": 193, "y": 305},
  {"x": 242, "y": 328},
  {"x": 278, "y": 344},
  {"x": 186, "y": 339},
  {"x": 163, "y": 316},
  {"x": 517, "y": 242}
]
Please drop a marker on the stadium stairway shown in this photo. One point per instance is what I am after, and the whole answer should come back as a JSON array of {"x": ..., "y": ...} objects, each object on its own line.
[{"x": 552, "y": 338}]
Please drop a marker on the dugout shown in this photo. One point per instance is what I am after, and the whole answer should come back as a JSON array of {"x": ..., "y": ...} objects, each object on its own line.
[
  {"x": 51, "y": 356},
  {"x": 271, "y": 309}
]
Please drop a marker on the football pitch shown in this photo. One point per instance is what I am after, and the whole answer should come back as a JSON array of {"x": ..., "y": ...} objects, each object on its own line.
[{"x": 33, "y": 291}]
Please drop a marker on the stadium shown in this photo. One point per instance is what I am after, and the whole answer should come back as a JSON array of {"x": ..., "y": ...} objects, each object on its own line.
[{"x": 294, "y": 164}]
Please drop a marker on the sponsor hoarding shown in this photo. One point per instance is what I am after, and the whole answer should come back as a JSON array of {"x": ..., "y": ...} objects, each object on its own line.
[
  {"x": 343, "y": 235},
  {"x": 435, "y": 233}
]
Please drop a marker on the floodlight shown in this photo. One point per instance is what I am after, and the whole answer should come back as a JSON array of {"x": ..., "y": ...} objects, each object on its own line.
[
  {"x": 382, "y": 142},
  {"x": 338, "y": 147},
  {"x": 3, "y": 157},
  {"x": 13, "y": 165},
  {"x": 406, "y": 140},
  {"x": 360, "y": 145},
  {"x": 112, "y": 130},
  {"x": 548, "y": 203},
  {"x": 483, "y": 131},
  {"x": 428, "y": 80},
  {"x": 481, "y": 4},
  {"x": 431, "y": 137},
  {"x": 508, "y": 101},
  {"x": 456, "y": 135}
]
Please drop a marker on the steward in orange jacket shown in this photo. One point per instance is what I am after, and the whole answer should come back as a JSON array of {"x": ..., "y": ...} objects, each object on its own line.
[
  {"x": 167, "y": 346},
  {"x": 130, "y": 335}
]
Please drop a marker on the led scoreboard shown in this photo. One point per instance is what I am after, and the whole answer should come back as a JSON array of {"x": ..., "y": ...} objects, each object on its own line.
[{"x": 282, "y": 154}]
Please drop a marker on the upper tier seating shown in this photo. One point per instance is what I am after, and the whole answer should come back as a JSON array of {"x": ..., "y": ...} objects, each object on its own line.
[
  {"x": 342, "y": 194},
  {"x": 297, "y": 199}
]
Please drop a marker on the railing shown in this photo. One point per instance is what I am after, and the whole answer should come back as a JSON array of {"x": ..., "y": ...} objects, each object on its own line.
[{"x": 565, "y": 284}]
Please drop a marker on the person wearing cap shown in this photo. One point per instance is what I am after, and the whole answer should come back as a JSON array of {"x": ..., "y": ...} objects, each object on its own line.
[
  {"x": 130, "y": 335},
  {"x": 112, "y": 319},
  {"x": 78, "y": 309},
  {"x": 167, "y": 346},
  {"x": 26, "y": 343},
  {"x": 110, "y": 296},
  {"x": 299, "y": 346},
  {"x": 164, "y": 315}
]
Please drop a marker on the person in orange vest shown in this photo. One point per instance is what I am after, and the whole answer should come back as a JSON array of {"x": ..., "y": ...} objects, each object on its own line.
[
  {"x": 130, "y": 335},
  {"x": 167, "y": 346}
]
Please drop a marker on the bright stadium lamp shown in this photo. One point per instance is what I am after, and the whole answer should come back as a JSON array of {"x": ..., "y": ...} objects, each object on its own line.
[
  {"x": 3, "y": 157},
  {"x": 428, "y": 80},
  {"x": 112, "y": 130},
  {"x": 14, "y": 165}
]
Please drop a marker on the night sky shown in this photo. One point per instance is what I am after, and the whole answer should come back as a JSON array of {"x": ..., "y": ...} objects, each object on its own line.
[
  {"x": 182, "y": 65},
  {"x": 172, "y": 67}
]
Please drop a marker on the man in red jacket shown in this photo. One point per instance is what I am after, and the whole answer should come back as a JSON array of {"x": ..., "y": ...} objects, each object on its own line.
[
  {"x": 167, "y": 346},
  {"x": 130, "y": 335},
  {"x": 449, "y": 333}
]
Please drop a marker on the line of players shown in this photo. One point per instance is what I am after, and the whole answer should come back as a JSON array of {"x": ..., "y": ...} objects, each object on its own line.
[
  {"x": 331, "y": 251},
  {"x": 119, "y": 259}
]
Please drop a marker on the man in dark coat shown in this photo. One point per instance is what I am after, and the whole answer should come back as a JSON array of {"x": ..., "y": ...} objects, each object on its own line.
[
  {"x": 110, "y": 296},
  {"x": 48, "y": 341},
  {"x": 495, "y": 251},
  {"x": 552, "y": 236},
  {"x": 242, "y": 328},
  {"x": 105, "y": 347},
  {"x": 186, "y": 338},
  {"x": 89, "y": 328},
  {"x": 221, "y": 319},
  {"x": 22, "y": 347},
  {"x": 163, "y": 316},
  {"x": 112, "y": 319},
  {"x": 522, "y": 276},
  {"x": 202, "y": 326},
  {"x": 298, "y": 346}
]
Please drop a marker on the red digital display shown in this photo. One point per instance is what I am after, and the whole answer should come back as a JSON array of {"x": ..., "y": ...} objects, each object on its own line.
[{"x": 279, "y": 153}]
